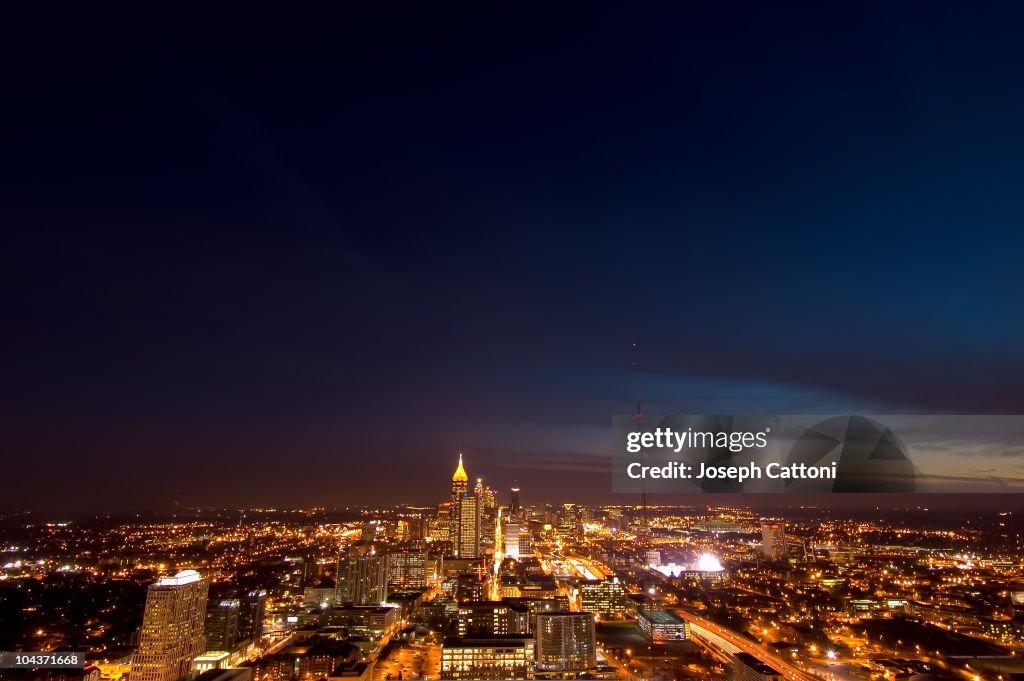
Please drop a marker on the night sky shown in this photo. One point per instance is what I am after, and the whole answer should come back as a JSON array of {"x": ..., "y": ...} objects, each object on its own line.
[{"x": 303, "y": 259}]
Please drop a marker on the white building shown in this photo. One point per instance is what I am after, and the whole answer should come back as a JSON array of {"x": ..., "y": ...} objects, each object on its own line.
[
  {"x": 510, "y": 542},
  {"x": 172, "y": 628}
]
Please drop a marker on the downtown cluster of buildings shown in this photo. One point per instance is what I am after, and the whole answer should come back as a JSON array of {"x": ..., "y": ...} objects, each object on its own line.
[
  {"x": 501, "y": 591},
  {"x": 466, "y": 572},
  {"x": 482, "y": 587}
]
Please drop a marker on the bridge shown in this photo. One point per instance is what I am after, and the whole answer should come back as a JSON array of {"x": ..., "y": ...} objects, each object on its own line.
[{"x": 729, "y": 642}]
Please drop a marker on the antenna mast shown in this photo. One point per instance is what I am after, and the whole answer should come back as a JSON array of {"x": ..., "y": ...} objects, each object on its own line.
[{"x": 639, "y": 423}]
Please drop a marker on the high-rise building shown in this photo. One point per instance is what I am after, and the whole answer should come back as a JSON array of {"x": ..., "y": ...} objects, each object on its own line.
[
  {"x": 408, "y": 569},
  {"x": 469, "y": 526},
  {"x": 222, "y": 624},
  {"x": 605, "y": 597},
  {"x": 510, "y": 541},
  {"x": 773, "y": 538},
  {"x": 525, "y": 542},
  {"x": 515, "y": 508},
  {"x": 460, "y": 487},
  {"x": 341, "y": 578},
  {"x": 362, "y": 580},
  {"x": 439, "y": 525},
  {"x": 251, "y": 613},
  {"x": 172, "y": 628},
  {"x": 566, "y": 642},
  {"x": 488, "y": 499}
]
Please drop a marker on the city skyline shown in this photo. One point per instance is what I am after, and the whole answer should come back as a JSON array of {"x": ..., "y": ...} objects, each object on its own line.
[
  {"x": 613, "y": 592},
  {"x": 504, "y": 496},
  {"x": 388, "y": 343}
]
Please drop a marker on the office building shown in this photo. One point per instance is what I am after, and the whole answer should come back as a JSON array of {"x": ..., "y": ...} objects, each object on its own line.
[
  {"x": 493, "y": 617},
  {"x": 252, "y": 610},
  {"x": 605, "y": 598},
  {"x": 363, "y": 620},
  {"x": 488, "y": 657},
  {"x": 459, "y": 489},
  {"x": 362, "y": 579},
  {"x": 408, "y": 569},
  {"x": 172, "y": 628},
  {"x": 525, "y": 542},
  {"x": 222, "y": 618},
  {"x": 566, "y": 642},
  {"x": 469, "y": 526},
  {"x": 510, "y": 539},
  {"x": 773, "y": 541}
]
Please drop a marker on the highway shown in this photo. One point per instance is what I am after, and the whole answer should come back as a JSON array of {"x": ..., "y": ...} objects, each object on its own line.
[{"x": 745, "y": 645}]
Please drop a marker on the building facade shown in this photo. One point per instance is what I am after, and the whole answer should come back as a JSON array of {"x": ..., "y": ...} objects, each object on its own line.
[
  {"x": 173, "y": 628},
  {"x": 459, "y": 489},
  {"x": 773, "y": 541},
  {"x": 606, "y": 598},
  {"x": 662, "y": 625},
  {"x": 222, "y": 618},
  {"x": 362, "y": 580},
  {"x": 488, "y": 657},
  {"x": 469, "y": 526},
  {"x": 566, "y": 642}
]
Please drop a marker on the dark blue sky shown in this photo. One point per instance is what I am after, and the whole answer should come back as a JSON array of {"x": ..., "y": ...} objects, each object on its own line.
[{"x": 301, "y": 259}]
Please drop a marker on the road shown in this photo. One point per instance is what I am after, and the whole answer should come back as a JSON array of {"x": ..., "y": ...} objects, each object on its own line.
[
  {"x": 746, "y": 645},
  {"x": 414, "y": 661}
]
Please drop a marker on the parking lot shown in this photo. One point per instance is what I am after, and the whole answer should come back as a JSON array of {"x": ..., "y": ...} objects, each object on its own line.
[{"x": 412, "y": 661}]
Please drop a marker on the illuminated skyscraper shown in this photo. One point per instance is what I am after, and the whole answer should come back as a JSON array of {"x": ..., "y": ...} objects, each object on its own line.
[
  {"x": 515, "y": 508},
  {"x": 773, "y": 538},
  {"x": 460, "y": 486},
  {"x": 172, "y": 628},
  {"x": 469, "y": 526}
]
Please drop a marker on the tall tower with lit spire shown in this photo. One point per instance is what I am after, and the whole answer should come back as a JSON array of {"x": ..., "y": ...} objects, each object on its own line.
[{"x": 460, "y": 486}]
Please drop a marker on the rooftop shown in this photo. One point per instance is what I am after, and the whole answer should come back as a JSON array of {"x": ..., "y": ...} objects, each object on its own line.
[
  {"x": 662, "y": 617},
  {"x": 183, "y": 577}
]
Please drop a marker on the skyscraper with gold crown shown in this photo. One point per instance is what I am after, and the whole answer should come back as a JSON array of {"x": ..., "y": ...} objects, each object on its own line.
[{"x": 460, "y": 486}]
